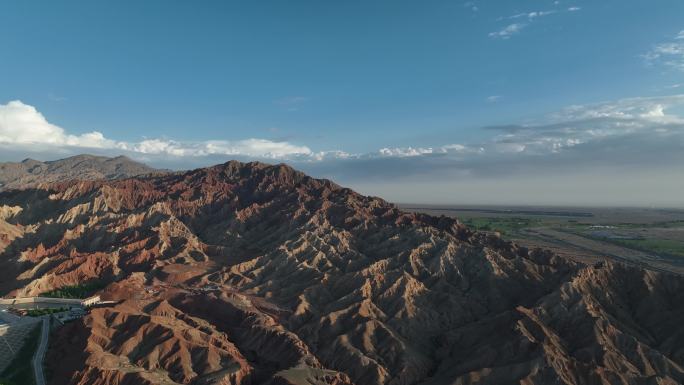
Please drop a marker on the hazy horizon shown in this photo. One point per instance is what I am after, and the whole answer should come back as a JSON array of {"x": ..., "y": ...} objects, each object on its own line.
[{"x": 509, "y": 202}]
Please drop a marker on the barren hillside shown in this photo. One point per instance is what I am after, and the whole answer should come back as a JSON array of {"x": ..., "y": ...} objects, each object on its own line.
[
  {"x": 251, "y": 273},
  {"x": 31, "y": 172}
]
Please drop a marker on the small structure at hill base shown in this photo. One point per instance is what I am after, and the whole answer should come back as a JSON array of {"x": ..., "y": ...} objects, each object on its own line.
[
  {"x": 35, "y": 303},
  {"x": 15, "y": 326}
]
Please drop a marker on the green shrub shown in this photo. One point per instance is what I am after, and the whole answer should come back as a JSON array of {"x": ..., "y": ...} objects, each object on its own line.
[
  {"x": 41, "y": 312},
  {"x": 83, "y": 290}
]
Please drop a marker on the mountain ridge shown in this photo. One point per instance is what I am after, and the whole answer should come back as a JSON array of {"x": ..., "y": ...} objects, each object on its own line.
[
  {"x": 30, "y": 172},
  {"x": 247, "y": 273}
]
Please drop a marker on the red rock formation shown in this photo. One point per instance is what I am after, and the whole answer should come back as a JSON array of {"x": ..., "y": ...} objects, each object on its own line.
[{"x": 250, "y": 273}]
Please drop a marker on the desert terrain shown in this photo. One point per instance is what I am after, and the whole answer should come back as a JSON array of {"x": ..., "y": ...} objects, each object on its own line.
[{"x": 248, "y": 273}]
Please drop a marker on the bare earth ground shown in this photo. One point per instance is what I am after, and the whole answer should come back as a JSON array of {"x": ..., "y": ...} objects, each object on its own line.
[{"x": 651, "y": 238}]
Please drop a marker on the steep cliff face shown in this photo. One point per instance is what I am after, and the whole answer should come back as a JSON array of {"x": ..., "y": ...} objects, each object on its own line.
[{"x": 251, "y": 273}]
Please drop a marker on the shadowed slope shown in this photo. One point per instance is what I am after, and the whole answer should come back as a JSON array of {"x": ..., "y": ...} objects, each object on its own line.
[{"x": 251, "y": 273}]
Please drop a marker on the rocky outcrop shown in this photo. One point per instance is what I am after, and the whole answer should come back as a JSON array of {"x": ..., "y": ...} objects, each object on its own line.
[
  {"x": 251, "y": 273},
  {"x": 31, "y": 172}
]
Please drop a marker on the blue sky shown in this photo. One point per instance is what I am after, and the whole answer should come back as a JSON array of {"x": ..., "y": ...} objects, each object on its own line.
[{"x": 380, "y": 95}]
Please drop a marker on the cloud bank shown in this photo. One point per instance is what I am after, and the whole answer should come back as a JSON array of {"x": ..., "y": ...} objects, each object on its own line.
[
  {"x": 508, "y": 31},
  {"x": 21, "y": 125},
  {"x": 607, "y": 150},
  {"x": 669, "y": 54},
  {"x": 523, "y": 20}
]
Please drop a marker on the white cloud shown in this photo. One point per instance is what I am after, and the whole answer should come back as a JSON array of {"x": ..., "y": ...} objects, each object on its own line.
[
  {"x": 529, "y": 15},
  {"x": 515, "y": 28},
  {"x": 454, "y": 147},
  {"x": 591, "y": 124},
  {"x": 331, "y": 155},
  {"x": 405, "y": 152},
  {"x": 617, "y": 138},
  {"x": 256, "y": 148},
  {"x": 533, "y": 14},
  {"x": 22, "y": 125},
  {"x": 508, "y": 31},
  {"x": 669, "y": 54},
  {"x": 572, "y": 127},
  {"x": 471, "y": 5},
  {"x": 634, "y": 148},
  {"x": 651, "y": 109},
  {"x": 494, "y": 98}
]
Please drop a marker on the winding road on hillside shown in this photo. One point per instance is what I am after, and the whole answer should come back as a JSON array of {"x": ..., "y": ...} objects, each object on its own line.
[{"x": 40, "y": 352}]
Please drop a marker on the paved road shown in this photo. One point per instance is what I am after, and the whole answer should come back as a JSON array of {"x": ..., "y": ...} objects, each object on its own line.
[{"x": 40, "y": 352}]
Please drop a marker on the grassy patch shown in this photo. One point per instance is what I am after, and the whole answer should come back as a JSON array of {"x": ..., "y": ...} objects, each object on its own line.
[
  {"x": 660, "y": 247},
  {"x": 20, "y": 371},
  {"x": 669, "y": 225},
  {"x": 664, "y": 247},
  {"x": 506, "y": 226},
  {"x": 83, "y": 290},
  {"x": 41, "y": 312},
  {"x": 654, "y": 225}
]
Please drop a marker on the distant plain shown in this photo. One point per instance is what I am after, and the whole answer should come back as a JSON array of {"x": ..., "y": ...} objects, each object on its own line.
[{"x": 647, "y": 237}]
